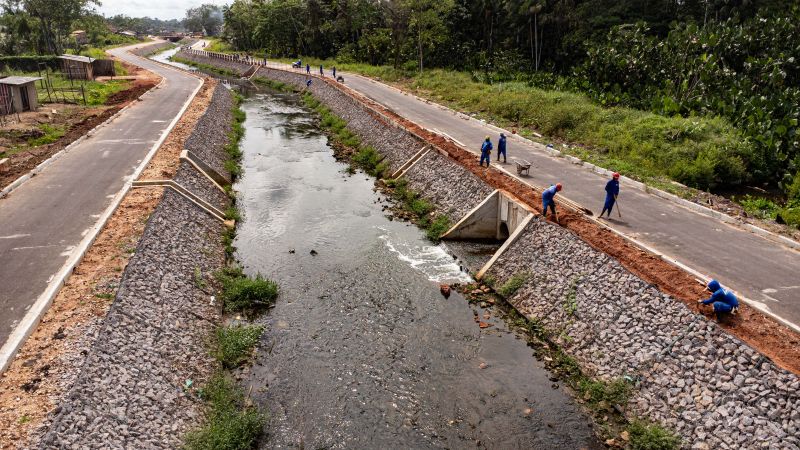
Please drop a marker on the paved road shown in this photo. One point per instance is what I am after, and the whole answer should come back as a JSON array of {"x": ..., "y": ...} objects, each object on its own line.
[
  {"x": 758, "y": 268},
  {"x": 46, "y": 217}
]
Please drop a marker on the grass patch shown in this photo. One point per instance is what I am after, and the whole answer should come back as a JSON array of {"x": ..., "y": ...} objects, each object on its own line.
[
  {"x": 274, "y": 85},
  {"x": 51, "y": 134},
  {"x": 647, "y": 436},
  {"x": 232, "y": 213},
  {"x": 512, "y": 285},
  {"x": 218, "y": 46},
  {"x": 241, "y": 293},
  {"x": 232, "y": 424},
  {"x": 235, "y": 344},
  {"x": 437, "y": 227},
  {"x": 595, "y": 392}
]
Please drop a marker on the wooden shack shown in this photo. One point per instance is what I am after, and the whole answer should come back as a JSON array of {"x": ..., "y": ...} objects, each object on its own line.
[
  {"x": 22, "y": 92},
  {"x": 77, "y": 67}
]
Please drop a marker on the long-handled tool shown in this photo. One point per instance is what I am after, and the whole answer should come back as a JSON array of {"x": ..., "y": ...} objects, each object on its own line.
[{"x": 619, "y": 213}]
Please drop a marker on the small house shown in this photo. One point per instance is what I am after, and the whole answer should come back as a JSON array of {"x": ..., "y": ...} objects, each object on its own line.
[
  {"x": 22, "y": 92},
  {"x": 77, "y": 67}
]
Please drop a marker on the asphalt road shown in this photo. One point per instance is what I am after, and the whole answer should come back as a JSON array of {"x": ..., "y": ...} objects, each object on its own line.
[
  {"x": 760, "y": 269},
  {"x": 43, "y": 220}
]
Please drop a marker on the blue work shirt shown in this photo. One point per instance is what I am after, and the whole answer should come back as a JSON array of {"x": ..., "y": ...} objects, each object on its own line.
[
  {"x": 486, "y": 147},
  {"x": 612, "y": 189},
  {"x": 724, "y": 296},
  {"x": 501, "y": 144},
  {"x": 549, "y": 193}
]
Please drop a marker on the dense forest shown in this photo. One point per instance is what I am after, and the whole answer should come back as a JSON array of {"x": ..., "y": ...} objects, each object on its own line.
[{"x": 738, "y": 59}]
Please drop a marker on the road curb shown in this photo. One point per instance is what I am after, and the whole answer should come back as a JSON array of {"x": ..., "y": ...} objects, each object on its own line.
[
  {"x": 700, "y": 209},
  {"x": 28, "y": 323}
]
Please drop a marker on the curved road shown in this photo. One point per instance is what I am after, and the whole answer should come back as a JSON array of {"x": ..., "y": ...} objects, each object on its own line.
[{"x": 44, "y": 219}]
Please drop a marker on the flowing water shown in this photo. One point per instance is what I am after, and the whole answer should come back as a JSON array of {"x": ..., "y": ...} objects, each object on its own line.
[{"x": 361, "y": 349}]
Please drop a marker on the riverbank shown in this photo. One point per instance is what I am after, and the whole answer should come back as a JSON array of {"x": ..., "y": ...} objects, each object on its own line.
[{"x": 644, "y": 301}]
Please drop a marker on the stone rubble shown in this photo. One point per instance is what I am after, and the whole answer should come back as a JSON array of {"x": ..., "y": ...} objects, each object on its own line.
[{"x": 132, "y": 391}]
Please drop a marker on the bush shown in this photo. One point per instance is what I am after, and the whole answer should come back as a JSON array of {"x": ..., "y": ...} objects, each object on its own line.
[
  {"x": 241, "y": 293},
  {"x": 231, "y": 424},
  {"x": 645, "y": 436},
  {"x": 28, "y": 63},
  {"x": 235, "y": 344},
  {"x": 513, "y": 284},
  {"x": 437, "y": 227}
]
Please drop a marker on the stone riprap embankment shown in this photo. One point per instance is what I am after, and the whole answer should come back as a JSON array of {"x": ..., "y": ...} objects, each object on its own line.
[
  {"x": 198, "y": 57},
  {"x": 710, "y": 387},
  {"x": 214, "y": 135},
  {"x": 692, "y": 376},
  {"x": 152, "y": 48},
  {"x": 137, "y": 388}
]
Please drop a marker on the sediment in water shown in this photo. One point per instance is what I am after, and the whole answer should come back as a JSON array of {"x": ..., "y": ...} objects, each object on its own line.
[{"x": 690, "y": 374}]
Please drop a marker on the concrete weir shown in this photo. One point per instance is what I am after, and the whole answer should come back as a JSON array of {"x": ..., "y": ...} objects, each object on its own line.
[
  {"x": 690, "y": 374},
  {"x": 500, "y": 216}
]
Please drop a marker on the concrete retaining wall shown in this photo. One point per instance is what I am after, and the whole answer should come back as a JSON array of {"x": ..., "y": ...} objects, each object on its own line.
[
  {"x": 150, "y": 49},
  {"x": 131, "y": 392}
]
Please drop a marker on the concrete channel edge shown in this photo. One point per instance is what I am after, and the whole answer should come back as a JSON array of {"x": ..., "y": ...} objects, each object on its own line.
[{"x": 31, "y": 319}]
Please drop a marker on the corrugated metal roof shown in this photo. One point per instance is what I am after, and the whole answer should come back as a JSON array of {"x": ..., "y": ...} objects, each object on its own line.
[
  {"x": 16, "y": 81},
  {"x": 83, "y": 59}
]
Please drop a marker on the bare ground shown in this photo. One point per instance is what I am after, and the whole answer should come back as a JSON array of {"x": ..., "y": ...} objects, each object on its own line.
[{"x": 51, "y": 358}]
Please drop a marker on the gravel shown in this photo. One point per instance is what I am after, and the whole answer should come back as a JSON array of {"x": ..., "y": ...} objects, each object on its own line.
[
  {"x": 131, "y": 392},
  {"x": 234, "y": 66},
  {"x": 150, "y": 49}
]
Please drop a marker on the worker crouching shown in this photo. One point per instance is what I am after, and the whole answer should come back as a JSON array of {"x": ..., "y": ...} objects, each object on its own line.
[
  {"x": 548, "y": 201},
  {"x": 723, "y": 300}
]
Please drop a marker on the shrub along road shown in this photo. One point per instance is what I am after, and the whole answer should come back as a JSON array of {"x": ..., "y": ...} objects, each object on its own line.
[
  {"x": 43, "y": 220},
  {"x": 757, "y": 268}
]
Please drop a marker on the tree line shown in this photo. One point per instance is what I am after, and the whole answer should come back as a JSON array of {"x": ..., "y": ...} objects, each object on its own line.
[{"x": 738, "y": 59}]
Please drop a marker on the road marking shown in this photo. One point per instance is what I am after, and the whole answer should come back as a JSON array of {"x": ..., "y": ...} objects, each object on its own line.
[
  {"x": 34, "y": 247},
  {"x": 14, "y": 236}
]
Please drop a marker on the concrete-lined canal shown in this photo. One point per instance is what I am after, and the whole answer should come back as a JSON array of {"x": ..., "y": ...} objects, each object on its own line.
[{"x": 361, "y": 350}]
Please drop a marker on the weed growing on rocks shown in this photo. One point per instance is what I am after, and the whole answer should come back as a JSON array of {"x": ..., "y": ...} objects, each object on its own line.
[
  {"x": 235, "y": 344},
  {"x": 232, "y": 423},
  {"x": 273, "y": 84},
  {"x": 647, "y": 436},
  {"x": 513, "y": 284},
  {"x": 232, "y": 213},
  {"x": 418, "y": 209},
  {"x": 241, "y": 293}
]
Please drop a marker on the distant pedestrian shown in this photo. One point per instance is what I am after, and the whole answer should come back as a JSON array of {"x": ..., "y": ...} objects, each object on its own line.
[
  {"x": 501, "y": 147},
  {"x": 308, "y": 69},
  {"x": 548, "y": 201},
  {"x": 321, "y": 71},
  {"x": 308, "y": 83},
  {"x": 334, "y": 71},
  {"x": 486, "y": 151},
  {"x": 724, "y": 301},
  {"x": 612, "y": 191}
]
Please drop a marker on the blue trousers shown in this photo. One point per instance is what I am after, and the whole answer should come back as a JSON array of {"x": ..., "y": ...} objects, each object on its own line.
[
  {"x": 501, "y": 152},
  {"x": 609, "y": 205},
  {"x": 486, "y": 156},
  {"x": 546, "y": 204}
]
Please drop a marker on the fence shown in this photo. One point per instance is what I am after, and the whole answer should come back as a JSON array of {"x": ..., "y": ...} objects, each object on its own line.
[{"x": 61, "y": 87}]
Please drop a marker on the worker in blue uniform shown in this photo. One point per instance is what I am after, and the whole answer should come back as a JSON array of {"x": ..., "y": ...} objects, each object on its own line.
[
  {"x": 501, "y": 147},
  {"x": 612, "y": 191},
  {"x": 486, "y": 151},
  {"x": 547, "y": 200},
  {"x": 724, "y": 301}
]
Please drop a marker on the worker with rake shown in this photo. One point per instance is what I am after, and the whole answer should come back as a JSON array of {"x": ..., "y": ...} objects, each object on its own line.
[
  {"x": 612, "y": 191},
  {"x": 724, "y": 301},
  {"x": 547, "y": 200}
]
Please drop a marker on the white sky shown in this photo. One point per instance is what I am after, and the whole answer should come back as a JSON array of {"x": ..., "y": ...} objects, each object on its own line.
[{"x": 160, "y": 9}]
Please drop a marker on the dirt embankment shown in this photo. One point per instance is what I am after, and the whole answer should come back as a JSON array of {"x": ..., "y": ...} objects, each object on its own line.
[
  {"x": 79, "y": 122},
  {"x": 772, "y": 339},
  {"x": 51, "y": 358}
]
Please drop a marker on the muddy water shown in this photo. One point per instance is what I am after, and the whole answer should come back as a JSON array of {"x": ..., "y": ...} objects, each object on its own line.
[{"x": 361, "y": 350}]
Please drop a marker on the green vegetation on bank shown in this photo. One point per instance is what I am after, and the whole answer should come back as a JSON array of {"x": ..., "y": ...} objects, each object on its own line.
[
  {"x": 241, "y": 293},
  {"x": 235, "y": 344},
  {"x": 231, "y": 423}
]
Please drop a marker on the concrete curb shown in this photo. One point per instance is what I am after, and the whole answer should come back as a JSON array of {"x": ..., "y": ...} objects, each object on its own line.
[
  {"x": 700, "y": 209},
  {"x": 28, "y": 323}
]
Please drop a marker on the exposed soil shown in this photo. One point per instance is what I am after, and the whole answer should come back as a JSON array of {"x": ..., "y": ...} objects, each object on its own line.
[
  {"x": 772, "y": 339},
  {"x": 52, "y": 356},
  {"x": 78, "y": 120}
]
